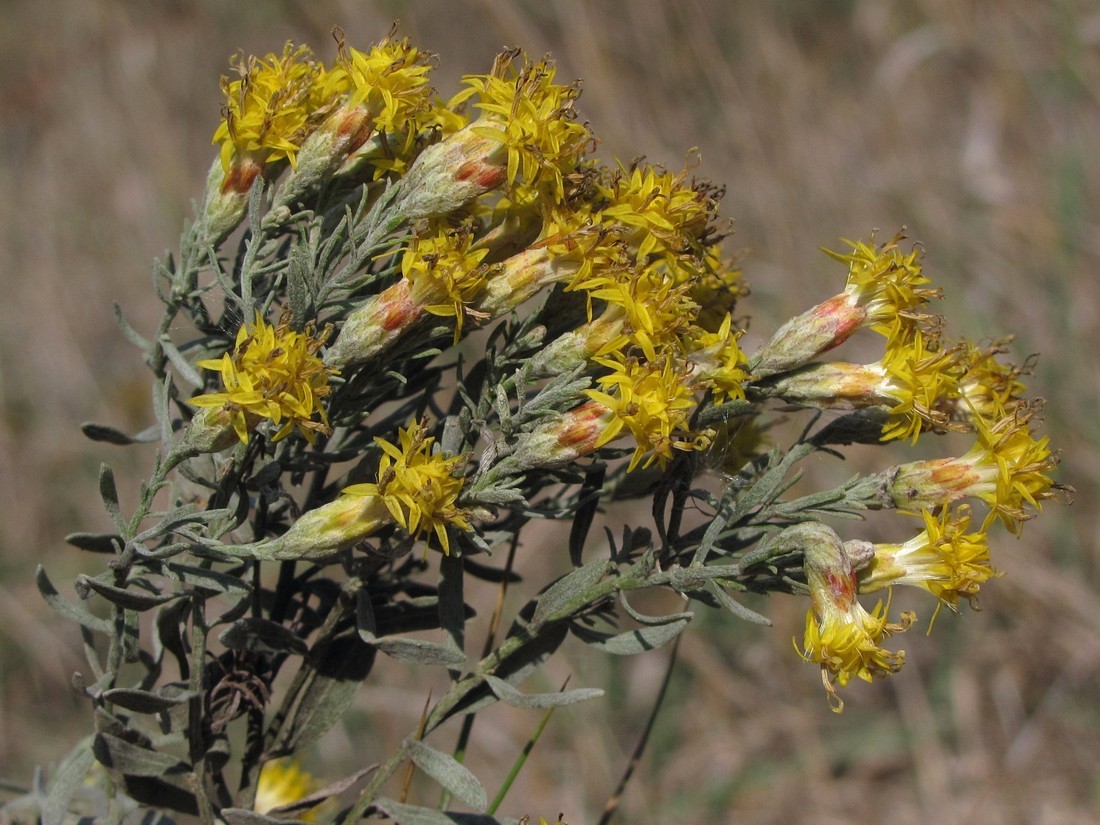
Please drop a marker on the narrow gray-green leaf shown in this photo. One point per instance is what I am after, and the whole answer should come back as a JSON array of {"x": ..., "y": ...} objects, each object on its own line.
[
  {"x": 364, "y": 617},
  {"x": 95, "y": 542},
  {"x": 109, "y": 493},
  {"x": 445, "y": 770},
  {"x": 187, "y": 372},
  {"x": 212, "y": 580},
  {"x": 258, "y": 635},
  {"x": 69, "y": 777},
  {"x": 733, "y": 606},
  {"x": 633, "y": 642},
  {"x": 107, "y": 434},
  {"x": 143, "y": 701},
  {"x": 419, "y": 651},
  {"x": 131, "y": 334},
  {"x": 452, "y": 607},
  {"x": 129, "y": 599},
  {"x": 68, "y": 609},
  {"x": 565, "y": 589},
  {"x": 300, "y": 293},
  {"x": 134, "y": 760},
  {"x": 535, "y": 701},
  {"x": 642, "y": 618}
]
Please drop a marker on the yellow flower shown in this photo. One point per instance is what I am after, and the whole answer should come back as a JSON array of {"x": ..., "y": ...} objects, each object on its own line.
[
  {"x": 651, "y": 402},
  {"x": 531, "y": 119},
  {"x": 653, "y": 310},
  {"x": 720, "y": 363},
  {"x": 1006, "y": 468},
  {"x": 417, "y": 487},
  {"x": 390, "y": 82},
  {"x": 841, "y": 635},
  {"x": 272, "y": 373},
  {"x": 885, "y": 283},
  {"x": 663, "y": 216},
  {"x": 282, "y": 782},
  {"x": 917, "y": 380},
  {"x": 884, "y": 288},
  {"x": 271, "y": 108},
  {"x": 943, "y": 559},
  {"x": 445, "y": 273}
]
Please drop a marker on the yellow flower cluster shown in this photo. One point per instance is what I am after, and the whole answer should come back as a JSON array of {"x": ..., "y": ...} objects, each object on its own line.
[
  {"x": 273, "y": 373},
  {"x": 445, "y": 274},
  {"x": 919, "y": 385},
  {"x": 493, "y": 210},
  {"x": 532, "y": 120},
  {"x": 271, "y": 107},
  {"x": 417, "y": 486}
]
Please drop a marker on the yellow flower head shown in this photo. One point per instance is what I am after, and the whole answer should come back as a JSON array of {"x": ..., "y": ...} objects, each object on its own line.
[
  {"x": 918, "y": 381},
  {"x": 283, "y": 782},
  {"x": 445, "y": 273},
  {"x": 533, "y": 120},
  {"x": 885, "y": 282},
  {"x": 390, "y": 81},
  {"x": 652, "y": 402},
  {"x": 417, "y": 486},
  {"x": 655, "y": 311},
  {"x": 663, "y": 215},
  {"x": 272, "y": 373},
  {"x": 841, "y": 635},
  {"x": 986, "y": 387},
  {"x": 722, "y": 366},
  {"x": 271, "y": 108},
  {"x": 943, "y": 559},
  {"x": 1007, "y": 468}
]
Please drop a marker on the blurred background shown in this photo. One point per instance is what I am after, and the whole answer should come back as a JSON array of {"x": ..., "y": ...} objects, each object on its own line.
[{"x": 975, "y": 125}]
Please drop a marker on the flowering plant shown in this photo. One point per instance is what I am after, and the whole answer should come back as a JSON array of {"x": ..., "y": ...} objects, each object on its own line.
[{"x": 443, "y": 320}]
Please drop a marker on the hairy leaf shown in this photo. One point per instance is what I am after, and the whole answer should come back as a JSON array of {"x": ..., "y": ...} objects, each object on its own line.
[
  {"x": 533, "y": 701},
  {"x": 567, "y": 588},
  {"x": 445, "y": 770},
  {"x": 633, "y": 641}
]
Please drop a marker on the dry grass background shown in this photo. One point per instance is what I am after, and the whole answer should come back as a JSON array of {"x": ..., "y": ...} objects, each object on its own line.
[{"x": 975, "y": 124}]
